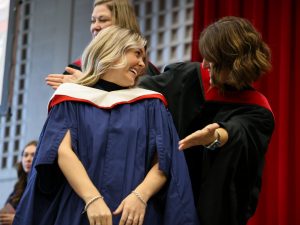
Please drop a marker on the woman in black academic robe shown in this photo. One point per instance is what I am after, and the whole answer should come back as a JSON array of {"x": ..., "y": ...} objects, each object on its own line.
[{"x": 227, "y": 122}]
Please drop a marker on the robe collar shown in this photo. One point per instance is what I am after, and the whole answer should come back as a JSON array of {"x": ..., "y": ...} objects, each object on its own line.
[
  {"x": 212, "y": 94},
  {"x": 99, "y": 98}
]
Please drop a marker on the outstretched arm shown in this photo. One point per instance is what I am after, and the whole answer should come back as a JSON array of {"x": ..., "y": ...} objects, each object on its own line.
[
  {"x": 204, "y": 137},
  {"x": 134, "y": 205},
  {"x": 54, "y": 80},
  {"x": 75, "y": 173}
]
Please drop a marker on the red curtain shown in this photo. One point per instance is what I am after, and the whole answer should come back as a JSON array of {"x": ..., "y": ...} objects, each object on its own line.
[{"x": 279, "y": 24}]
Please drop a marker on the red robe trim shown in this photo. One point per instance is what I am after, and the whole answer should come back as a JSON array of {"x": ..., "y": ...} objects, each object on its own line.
[
  {"x": 77, "y": 62},
  {"x": 252, "y": 97}
]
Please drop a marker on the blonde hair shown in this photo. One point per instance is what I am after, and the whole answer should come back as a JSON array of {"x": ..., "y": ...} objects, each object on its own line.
[
  {"x": 123, "y": 14},
  {"x": 234, "y": 46},
  {"x": 107, "y": 51}
]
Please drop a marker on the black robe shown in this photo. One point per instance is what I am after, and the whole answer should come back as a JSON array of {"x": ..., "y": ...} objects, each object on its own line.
[{"x": 226, "y": 181}]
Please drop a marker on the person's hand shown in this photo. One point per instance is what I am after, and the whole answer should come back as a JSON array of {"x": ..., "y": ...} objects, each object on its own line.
[
  {"x": 6, "y": 218},
  {"x": 98, "y": 213},
  {"x": 132, "y": 209},
  {"x": 54, "y": 80},
  {"x": 199, "y": 137}
]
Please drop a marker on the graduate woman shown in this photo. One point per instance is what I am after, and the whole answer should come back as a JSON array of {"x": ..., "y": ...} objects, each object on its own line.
[
  {"x": 108, "y": 152},
  {"x": 227, "y": 122}
]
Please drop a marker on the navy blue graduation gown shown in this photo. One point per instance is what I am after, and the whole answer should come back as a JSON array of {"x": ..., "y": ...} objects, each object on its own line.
[{"x": 116, "y": 146}]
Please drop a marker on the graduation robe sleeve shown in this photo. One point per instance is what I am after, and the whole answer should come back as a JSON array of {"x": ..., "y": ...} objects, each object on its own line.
[
  {"x": 230, "y": 181},
  {"x": 178, "y": 193},
  {"x": 61, "y": 118},
  {"x": 46, "y": 180}
]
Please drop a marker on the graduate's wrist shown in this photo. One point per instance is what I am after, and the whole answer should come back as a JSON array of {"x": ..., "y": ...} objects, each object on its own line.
[
  {"x": 140, "y": 197},
  {"x": 86, "y": 197},
  {"x": 145, "y": 195},
  {"x": 91, "y": 201}
]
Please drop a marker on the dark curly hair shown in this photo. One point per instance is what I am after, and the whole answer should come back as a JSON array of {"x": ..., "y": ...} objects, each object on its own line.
[{"x": 237, "y": 52}]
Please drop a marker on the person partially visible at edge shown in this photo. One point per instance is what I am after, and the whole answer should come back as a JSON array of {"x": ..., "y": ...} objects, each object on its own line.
[
  {"x": 224, "y": 123},
  {"x": 7, "y": 213},
  {"x": 108, "y": 152},
  {"x": 105, "y": 13}
]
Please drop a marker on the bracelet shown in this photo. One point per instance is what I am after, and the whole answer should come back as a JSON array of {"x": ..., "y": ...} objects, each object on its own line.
[
  {"x": 138, "y": 195},
  {"x": 90, "y": 202}
]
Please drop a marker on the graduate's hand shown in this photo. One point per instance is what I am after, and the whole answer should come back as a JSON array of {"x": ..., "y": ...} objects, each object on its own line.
[
  {"x": 6, "y": 218},
  {"x": 98, "y": 213},
  {"x": 54, "y": 80},
  {"x": 199, "y": 137},
  {"x": 132, "y": 209}
]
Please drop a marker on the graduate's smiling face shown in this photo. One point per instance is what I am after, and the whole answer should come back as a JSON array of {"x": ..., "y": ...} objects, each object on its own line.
[{"x": 127, "y": 76}]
